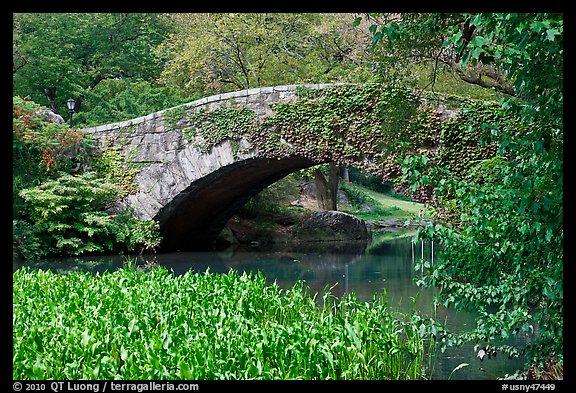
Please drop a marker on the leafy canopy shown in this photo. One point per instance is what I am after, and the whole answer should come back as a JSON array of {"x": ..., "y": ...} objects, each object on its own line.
[
  {"x": 503, "y": 252},
  {"x": 235, "y": 51}
]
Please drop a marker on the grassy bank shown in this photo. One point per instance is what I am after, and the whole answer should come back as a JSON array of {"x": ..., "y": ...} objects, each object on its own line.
[
  {"x": 153, "y": 325},
  {"x": 384, "y": 206}
]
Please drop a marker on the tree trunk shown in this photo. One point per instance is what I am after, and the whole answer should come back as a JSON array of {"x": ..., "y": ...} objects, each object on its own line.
[
  {"x": 321, "y": 189},
  {"x": 333, "y": 179},
  {"x": 327, "y": 190},
  {"x": 50, "y": 94},
  {"x": 345, "y": 174}
]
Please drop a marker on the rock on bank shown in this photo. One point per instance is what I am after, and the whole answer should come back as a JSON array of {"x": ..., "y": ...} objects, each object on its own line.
[{"x": 331, "y": 225}]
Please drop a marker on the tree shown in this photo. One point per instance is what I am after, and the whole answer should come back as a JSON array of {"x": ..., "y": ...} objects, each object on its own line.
[
  {"x": 245, "y": 50},
  {"x": 115, "y": 100},
  {"x": 62, "y": 55},
  {"x": 503, "y": 252},
  {"x": 444, "y": 40}
]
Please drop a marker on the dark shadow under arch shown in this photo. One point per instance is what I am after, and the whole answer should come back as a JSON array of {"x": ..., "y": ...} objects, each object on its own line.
[{"x": 195, "y": 217}]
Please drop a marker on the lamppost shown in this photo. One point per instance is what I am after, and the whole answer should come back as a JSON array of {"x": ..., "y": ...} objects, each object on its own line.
[{"x": 70, "y": 103}]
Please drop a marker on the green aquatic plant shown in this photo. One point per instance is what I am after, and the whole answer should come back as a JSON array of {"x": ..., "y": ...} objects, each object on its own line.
[{"x": 152, "y": 325}]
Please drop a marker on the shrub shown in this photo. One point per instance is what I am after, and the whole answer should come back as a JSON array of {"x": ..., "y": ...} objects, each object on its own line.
[{"x": 68, "y": 216}]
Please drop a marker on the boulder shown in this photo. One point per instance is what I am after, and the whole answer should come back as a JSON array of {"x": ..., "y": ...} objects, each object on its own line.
[
  {"x": 48, "y": 115},
  {"x": 226, "y": 238},
  {"x": 332, "y": 225}
]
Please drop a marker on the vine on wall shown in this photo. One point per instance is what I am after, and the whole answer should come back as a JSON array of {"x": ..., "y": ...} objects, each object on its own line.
[
  {"x": 110, "y": 164},
  {"x": 361, "y": 126}
]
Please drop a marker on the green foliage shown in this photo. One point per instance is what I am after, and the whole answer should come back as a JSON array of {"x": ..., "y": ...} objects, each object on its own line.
[
  {"x": 109, "y": 163},
  {"x": 119, "y": 99},
  {"x": 368, "y": 180},
  {"x": 173, "y": 115},
  {"x": 446, "y": 82},
  {"x": 272, "y": 198},
  {"x": 135, "y": 325},
  {"x": 459, "y": 145},
  {"x": 61, "y": 55},
  {"x": 65, "y": 211},
  {"x": 67, "y": 216},
  {"x": 358, "y": 199},
  {"x": 216, "y": 126},
  {"x": 466, "y": 138},
  {"x": 507, "y": 251},
  {"x": 503, "y": 250},
  {"x": 59, "y": 210},
  {"x": 236, "y": 51},
  {"x": 41, "y": 148},
  {"x": 135, "y": 235},
  {"x": 368, "y": 207},
  {"x": 439, "y": 42}
]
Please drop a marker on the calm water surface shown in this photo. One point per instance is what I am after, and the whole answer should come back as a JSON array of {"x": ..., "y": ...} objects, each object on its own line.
[{"x": 361, "y": 268}]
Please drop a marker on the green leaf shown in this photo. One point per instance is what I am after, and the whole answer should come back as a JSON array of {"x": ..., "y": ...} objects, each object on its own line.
[
  {"x": 456, "y": 37},
  {"x": 123, "y": 353},
  {"x": 446, "y": 43},
  {"x": 475, "y": 53},
  {"x": 549, "y": 235},
  {"x": 476, "y": 20},
  {"x": 377, "y": 37},
  {"x": 167, "y": 343},
  {"x": 551, "y": 33},
  {"x": 480, "y": 41},
  {"x": 85, "y": 337},
  {"x": 96, "y": 372},
  {"x": 185, "y": 372}
]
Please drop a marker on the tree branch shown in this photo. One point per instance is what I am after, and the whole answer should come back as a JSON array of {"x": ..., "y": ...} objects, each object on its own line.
[
  {"x": 23, "y": 62},
  {"x": 499, "y": 83}
]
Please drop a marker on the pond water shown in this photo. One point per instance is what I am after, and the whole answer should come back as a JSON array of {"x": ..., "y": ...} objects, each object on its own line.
[{"x": 358, "y": 267}]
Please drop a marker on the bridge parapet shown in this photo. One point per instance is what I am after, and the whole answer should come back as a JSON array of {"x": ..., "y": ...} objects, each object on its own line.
[{"x": 152, "y": 138}]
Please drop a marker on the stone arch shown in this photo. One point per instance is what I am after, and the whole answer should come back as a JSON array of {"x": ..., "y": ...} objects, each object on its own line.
[{"x": 195, "y": 217}]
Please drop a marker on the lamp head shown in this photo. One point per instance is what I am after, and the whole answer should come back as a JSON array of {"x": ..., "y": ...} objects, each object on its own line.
[{"x": 70, "y": 103}]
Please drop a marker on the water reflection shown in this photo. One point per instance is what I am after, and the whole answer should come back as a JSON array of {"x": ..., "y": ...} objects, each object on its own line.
[{"x": 356, "y": 267}]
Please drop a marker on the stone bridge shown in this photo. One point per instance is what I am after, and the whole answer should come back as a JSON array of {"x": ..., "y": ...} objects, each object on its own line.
[{"x": 193, "y": 176}]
